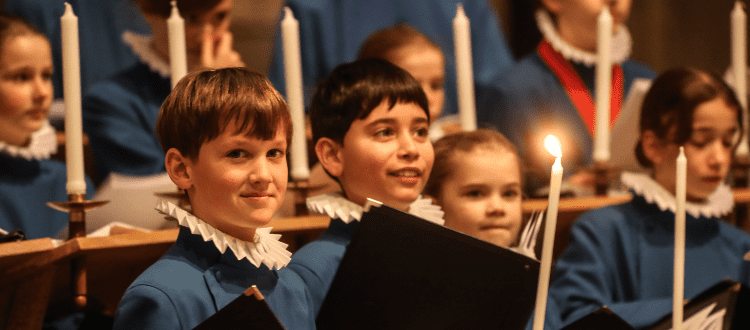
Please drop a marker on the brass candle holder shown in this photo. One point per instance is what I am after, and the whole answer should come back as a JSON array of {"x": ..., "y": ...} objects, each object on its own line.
[
  {"x": 602, "y": 173},
  {"x": 76, "y": 206}
]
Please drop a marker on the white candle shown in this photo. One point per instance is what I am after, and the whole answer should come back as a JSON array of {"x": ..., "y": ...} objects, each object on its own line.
[
  {"x": 739, "y": 67},
  {"x": 603, "y": 85},
  {"x": 177, "y": 50},
  {"x": 464, "y": 70},
  {"x": 545, "y": 267},
  {"x": 293, "y": 74},
  {"x": 679, "y": 241},
  {"x": 72, "y": 94}
]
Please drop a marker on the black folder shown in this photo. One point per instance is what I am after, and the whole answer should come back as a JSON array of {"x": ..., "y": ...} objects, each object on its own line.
[
  {"x": 602, "y": 318},
  {"x": 249, "y": 311},
  {"x": 403, "y": 272},
  {"x": 730, "y": 305}
]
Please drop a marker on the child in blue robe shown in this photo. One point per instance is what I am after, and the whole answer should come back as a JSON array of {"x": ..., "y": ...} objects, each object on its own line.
[
  {"x": 119, "y": 113},
  {"x": 225, "y": 134},
  {"x": 622, "y": 256},
  {"x": 28, "y": 178},
  {"x": 369, "y": 121},
  {"x": 552, "y": 90}
]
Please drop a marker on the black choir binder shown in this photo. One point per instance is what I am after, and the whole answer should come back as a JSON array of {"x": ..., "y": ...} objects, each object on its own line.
[
  {"x": 602, "y": 318},
  {"x": 722, "y": 306},
  {"x": 403, "y": 272},
  {"x": 249, "y": 311}
]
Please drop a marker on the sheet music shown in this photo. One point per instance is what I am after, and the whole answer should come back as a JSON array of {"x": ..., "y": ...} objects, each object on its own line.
[{"x": 626, "y": 131}]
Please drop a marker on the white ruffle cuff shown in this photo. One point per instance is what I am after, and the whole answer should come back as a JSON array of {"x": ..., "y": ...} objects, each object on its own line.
[
  {"x": 719, "y": 203},
  {"x": 336, "y": 206},
  {"x": 266, "y": 249},
  {"x": 42, "y": 145}
]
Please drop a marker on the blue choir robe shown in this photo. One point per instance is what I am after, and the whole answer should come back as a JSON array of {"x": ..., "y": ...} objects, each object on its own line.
[
  {"x": 194, "y": 280},
  {"x": 332, "y": 31},
  {"x": 101, "y": 23},
  {"x": 528, "y": 102},
  {"x": 622, "y": 256},
  {"x": 119, "y": 116}
]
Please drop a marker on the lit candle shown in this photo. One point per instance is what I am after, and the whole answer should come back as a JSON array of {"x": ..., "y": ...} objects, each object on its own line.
[
  {"x": 464, "y": 70},
  {"x": 545, "y": 267},
  {"x": 603, "y": 85},
  {"x": 293, "y": 74},
  {"x": 177, "y": 51},
  {"x": 739, "y": 67},
  {"x": 679, "y": 241},
  {"x": 72, "y": 94}
]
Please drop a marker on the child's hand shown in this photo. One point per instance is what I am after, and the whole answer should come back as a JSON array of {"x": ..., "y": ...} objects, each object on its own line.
[{"x": 219, "y": 54}]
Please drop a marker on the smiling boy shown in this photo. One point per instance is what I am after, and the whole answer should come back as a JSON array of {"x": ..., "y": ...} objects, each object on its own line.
[
  {"x": 225, "y": 134},
  {"x": 370, "y": 121}
]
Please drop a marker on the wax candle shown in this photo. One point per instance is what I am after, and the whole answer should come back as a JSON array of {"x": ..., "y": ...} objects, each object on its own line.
[
  {"x": 679, "y": 241},
  {"x": 177, "y": 50},
  {"x": 545, "y": 267},
  {"x": 603, "y": 85},
  {"x": 464, "y": 70},
  {"x": 72, "y": 94},
  {"x": 739, "y": 67},
  {"x": 293, "y": 74}
]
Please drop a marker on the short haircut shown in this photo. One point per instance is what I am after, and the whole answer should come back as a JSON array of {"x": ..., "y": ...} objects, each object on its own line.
[
  {"x": 381, "y": 43},
  {"x": 448, "y": 146},
  {"x": 353, "y": 90},
  {"x": 12, "y": 25},
  {"x": 187, "y": 7},
  {"x": 204, "y": 102},
  {"x": 669, "y": 105}
]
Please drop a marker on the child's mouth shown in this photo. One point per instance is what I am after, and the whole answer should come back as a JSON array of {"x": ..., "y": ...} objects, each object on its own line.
[{"x": 407, "y": 175}]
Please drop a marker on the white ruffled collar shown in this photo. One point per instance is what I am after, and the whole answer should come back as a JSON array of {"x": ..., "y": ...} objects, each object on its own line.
[
  {"x": 719, "y": 203},
  {"x": 42, "y": 145},
  {"x": 336, "y": 206},
  {"x": 266, "y": 249},
  {"x": 622, "y": 43},
  {"x": 141, "y": 46}
]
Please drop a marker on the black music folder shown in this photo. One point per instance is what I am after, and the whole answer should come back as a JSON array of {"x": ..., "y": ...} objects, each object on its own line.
[
  {"x": 403, "y": 272},
  {"x": 602, "y": 318},
  {"x": 249, "y": 311},
  {"x": 722, "y": 306}
]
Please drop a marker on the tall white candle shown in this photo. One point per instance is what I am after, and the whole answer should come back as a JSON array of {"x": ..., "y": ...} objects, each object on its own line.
[
  {"x": 739, "y": 67},
  {"x": 177, "y": 50},
  {"x": 603, "y": 85},
  {"x": 679, "y": 241},
  {"x": 464, "y": 70},
  {"x": 293, "y": 74},
  {"x": 72, "y": 94},
  {"x": 545, "y": 267}
]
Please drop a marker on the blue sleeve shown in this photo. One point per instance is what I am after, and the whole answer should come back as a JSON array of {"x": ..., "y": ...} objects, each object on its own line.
[
  {"x": 145, "y": 307},
  {"x": 120, "y": 126},
  {"x": 317, "y": 264}
]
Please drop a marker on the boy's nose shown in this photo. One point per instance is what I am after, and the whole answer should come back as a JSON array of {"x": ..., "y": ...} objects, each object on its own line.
[
  {"x": 408, "y": 147},
  {"x": 261, "y": 172},
  {"x": 495, "y": 205},
  {"x": 42, "y": 89}
]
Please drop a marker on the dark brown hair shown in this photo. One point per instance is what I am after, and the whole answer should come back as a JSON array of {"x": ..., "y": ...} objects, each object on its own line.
[
  {"x": 12, "y": 25},
  {"x": 187, "y": 7},
  {"x": 353, "y": 90},
  {"x": 448, "y": 146},
  {"x": 670, "y": 104},
  {"x": 204, "y": 102},
  {"x": 381, "y": 43}
]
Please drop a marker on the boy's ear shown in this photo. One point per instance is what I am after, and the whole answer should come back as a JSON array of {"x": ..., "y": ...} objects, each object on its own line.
[
  {"x": 178, "y": 168},
  {"x": 329, "y": 155},
  {"x": 652, "y": 146}
]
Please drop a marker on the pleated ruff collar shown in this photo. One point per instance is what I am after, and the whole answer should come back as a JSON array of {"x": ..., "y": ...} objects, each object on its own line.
[
  {"x": 719, "y": 203},
  {"x": 622, "y": 43},
  {"x": 336, "y": 206},
  {"x": 141, "y": 46},
  {"x": 42, "y": 145},
  {"x": 265, "y": 249}
]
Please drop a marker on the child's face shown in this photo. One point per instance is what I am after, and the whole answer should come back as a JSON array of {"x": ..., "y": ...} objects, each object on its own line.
[
  {"x": 427, "y": 65},
  {"x": 482, "y": 197},
  {"x": 387, "y": 156},
  {"x": 577, "y": 19},
  {"x": 238, "y": 182},
  {"x": 708, "y": 152},
  {"x": 218, "y": 19},
  {"x": 25, "y": 87}
]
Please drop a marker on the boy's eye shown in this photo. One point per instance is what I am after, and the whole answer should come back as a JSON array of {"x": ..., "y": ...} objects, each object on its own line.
[
  {"x": 237, "y": 154},
  {"x": 436, "y": 85},
  {"x": 276, "y": 153},
  {"x": 384, "y": 132},
  {"x": 422, "y": 132},
  {"x": 474, "y": 193},
  {"x": 21, "y": 77},
  {"x": 511, "y": 193}
]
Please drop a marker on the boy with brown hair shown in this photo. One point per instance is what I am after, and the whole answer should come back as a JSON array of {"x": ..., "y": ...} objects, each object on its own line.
[{"x": 225, "y": 134}]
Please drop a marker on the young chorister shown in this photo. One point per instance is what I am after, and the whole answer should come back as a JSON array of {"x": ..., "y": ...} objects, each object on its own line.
[
  {"x": 621, "y": 256},
  {"x": 225, "y": 133}
]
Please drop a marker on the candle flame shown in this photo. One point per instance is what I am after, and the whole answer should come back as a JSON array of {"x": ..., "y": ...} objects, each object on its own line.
[{"x": 553, "y": 145}]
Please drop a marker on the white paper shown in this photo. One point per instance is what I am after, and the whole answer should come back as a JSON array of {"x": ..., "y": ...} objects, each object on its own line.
[{"x": 626, "y": 132}]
